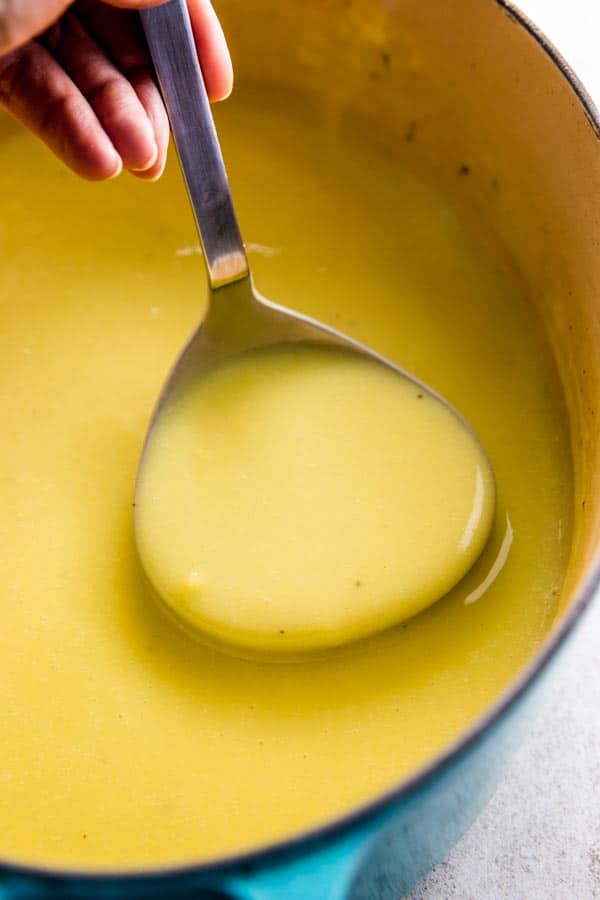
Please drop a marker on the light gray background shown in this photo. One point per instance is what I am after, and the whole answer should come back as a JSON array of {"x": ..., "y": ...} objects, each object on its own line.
[{"x": 539, "y": 838}]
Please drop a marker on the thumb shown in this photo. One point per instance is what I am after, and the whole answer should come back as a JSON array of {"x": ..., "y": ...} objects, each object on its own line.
[
  {"x": 134, "y": 4},
  {"x": 21, "y": 20}
]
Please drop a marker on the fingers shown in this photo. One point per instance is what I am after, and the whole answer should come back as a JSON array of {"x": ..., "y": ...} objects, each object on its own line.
[
  {"x": 86, "y": 86},
  {"x": 109, "y": 93},
  {"x": 212, "y": 49},
  {"x": 121, "y": 36},
  {"x": 210, "y": 41},
  {"x": 40, "y": 94},
  {"x": 123, "y": 41},
  {"x": 149, "y": 97}
]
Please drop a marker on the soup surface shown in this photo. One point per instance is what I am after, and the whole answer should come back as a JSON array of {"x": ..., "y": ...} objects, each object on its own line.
[
  {"x": 124, "y": 742},
  {"x": 296, "y": 498}
]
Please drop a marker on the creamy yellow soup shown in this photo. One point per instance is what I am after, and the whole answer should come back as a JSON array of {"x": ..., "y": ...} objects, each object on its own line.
[
  {"x": 299, "y": 497},
  {"x": 124, "y": 742}
]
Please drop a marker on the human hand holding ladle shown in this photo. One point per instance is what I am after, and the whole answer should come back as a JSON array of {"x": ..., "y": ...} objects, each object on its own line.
[{"x": 77, "y": 74}]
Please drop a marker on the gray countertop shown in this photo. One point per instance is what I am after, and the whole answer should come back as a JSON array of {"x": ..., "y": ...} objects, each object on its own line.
[{"x": 539, "y": 838}]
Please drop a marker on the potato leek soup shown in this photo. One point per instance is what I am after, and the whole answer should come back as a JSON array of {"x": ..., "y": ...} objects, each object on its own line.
[
  {"x": 299, "y": 497},
  {"x": 124, "y": 742}
]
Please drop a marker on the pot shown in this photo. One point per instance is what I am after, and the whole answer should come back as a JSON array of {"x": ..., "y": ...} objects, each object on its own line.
[{"x": 471, "y": 95}]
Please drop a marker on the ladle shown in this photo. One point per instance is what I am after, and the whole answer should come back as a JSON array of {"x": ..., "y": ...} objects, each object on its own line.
[{"x": 238, "y": 321}]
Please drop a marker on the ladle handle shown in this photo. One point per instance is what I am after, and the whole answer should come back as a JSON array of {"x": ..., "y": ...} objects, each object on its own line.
[{"x": 171, "y": 43}]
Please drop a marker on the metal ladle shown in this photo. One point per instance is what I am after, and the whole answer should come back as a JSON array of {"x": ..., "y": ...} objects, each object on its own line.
[{"x": 238, "y": 319}]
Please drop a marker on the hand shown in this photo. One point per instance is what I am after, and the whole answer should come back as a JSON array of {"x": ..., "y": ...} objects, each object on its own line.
[{"x": 78, "y": 75}]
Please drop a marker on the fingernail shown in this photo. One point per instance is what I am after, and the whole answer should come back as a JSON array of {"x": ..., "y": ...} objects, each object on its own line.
[
  {"x": 150, "y": 161},
  {"x": 118, "y": 169},
  {"x": 152, "y": 174},
  {"x": 159, "y": 172}
]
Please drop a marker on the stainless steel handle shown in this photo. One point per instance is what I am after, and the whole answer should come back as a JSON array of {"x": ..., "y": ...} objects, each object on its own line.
[{"x": 172, "y": 47}]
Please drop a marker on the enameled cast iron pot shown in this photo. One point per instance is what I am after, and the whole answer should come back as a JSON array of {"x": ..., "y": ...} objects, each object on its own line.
[{"x": 479, "y": 102}]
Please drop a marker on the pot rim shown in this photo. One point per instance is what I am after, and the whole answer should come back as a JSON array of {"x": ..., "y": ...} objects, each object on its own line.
[{"x": 439, "y": 763}]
